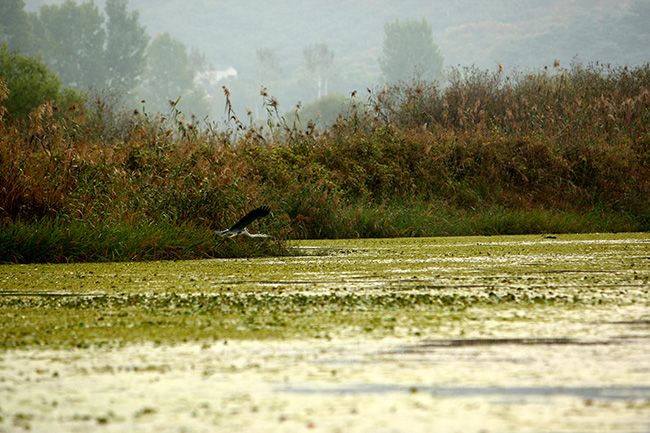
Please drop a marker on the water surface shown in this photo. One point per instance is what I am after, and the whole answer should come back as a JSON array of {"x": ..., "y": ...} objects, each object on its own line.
[{"x": 491, "y": 334}]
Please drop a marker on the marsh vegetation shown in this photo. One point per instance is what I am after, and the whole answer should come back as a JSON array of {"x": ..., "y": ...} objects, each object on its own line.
[{"x": 558, "y": 151}]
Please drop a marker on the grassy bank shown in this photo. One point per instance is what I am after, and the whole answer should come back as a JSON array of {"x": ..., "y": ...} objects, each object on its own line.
[{"x": 550, "y": 152}]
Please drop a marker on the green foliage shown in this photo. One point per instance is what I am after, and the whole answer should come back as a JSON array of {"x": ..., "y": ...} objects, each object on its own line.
[
  {"x": 323, "y": 112},
  {"x": 79, "y": 44},
  {"x": 409, "y": 51},
  {"x": 469, "y": 32},
  {"x": 29, "y": 82},
  {"x": 71, "y": 39},
  {"x": 58, "y": 241},
  {"x": 15, "y": 28},
  {"x": 169, "y": 76},
  {"x": 125, "y": 46}
]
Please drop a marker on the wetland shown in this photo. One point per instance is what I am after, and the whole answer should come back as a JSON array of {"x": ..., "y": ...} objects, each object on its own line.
[{"x": 496, "y": 333}]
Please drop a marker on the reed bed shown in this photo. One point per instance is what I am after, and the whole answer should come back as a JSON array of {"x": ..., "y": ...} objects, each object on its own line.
[{"x": 552, "y": 151}]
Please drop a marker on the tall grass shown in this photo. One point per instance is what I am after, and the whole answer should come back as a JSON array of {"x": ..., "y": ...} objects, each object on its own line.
[
  {"x": 58, "y": 241},
  {"x": 561, "y": 150}
]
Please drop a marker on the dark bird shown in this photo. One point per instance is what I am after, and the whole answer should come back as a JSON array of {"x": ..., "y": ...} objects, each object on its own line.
[{"x": 240, "y": 226}]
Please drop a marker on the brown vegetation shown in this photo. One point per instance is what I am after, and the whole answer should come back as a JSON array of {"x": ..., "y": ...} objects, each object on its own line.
[{"x": 559, "y": 150}]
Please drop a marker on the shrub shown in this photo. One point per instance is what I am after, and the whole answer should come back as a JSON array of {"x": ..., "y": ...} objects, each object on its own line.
[{"x": 30, "y": 84}]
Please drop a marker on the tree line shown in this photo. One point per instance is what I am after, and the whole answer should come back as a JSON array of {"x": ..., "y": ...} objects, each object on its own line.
[
  {"x": 91, "y": 49},
  {"x": 86, "y": 48}
]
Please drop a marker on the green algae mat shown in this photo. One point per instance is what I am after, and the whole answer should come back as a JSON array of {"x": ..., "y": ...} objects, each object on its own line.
[
  {"x": 375, "y": 287},
  {"x": 516, "y": 333}
]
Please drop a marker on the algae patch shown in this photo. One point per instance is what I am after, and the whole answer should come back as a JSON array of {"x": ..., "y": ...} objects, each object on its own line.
[
  {"x": 413, "y": 286},
  {"x": 444, "y": 334}
]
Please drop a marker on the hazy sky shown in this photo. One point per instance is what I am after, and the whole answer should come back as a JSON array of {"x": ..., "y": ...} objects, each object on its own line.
[
  {"x": 519, "y": 34},
  {"x": 512, "y": 32}
]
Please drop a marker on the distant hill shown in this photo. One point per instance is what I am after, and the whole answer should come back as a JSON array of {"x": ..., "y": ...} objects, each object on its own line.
[
  {"x": 521, "y": 33},
  {"x": 514, "y": 33}
]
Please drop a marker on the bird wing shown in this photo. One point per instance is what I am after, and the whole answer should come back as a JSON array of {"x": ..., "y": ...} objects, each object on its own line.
[{"x": 250, "y": 217}]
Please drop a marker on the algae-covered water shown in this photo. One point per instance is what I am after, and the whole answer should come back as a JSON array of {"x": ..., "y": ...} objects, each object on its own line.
[{"x": 523, "y": 333}]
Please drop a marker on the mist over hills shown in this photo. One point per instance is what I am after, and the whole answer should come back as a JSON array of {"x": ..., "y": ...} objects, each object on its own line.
[
  {"x": 511, "y": 32},
  {"x": 514, "y": 33}
]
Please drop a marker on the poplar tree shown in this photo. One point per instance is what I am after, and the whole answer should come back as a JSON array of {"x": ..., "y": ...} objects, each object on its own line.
[
  {"x": 410, "y": 52},
  {"x": 72, "y": 43},
  {"x": 126, "y": 46},
  {"x": 319, "y": 62}
]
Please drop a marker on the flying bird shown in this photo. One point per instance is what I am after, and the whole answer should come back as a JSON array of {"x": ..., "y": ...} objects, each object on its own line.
[{"x": 240, "y": 226}]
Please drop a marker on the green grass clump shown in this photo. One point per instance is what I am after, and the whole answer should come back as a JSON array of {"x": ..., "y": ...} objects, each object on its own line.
[
  {"x": 56, "y": 241},
  {"x": 565, "y": 150}
]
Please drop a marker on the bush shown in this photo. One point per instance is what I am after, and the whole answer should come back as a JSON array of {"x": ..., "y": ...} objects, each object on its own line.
[
  {"x": 323, "y": 112},
  {"x": 30, "y": 84}
]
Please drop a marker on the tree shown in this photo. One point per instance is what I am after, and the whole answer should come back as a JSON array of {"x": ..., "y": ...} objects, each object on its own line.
[
  {"x": 72, "y": 40},
  {"x": 15, "y": 28},
  {"x": 325, "y": 111},
  {"x": 30, "y": 83},
  {"x": 409, "y": 51},
  {"x": 168, "y": 76},
  {"x": 319, "y": 62},
  {"x": 126, "y": 45},
  {"x": 269, "y": 67}
]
